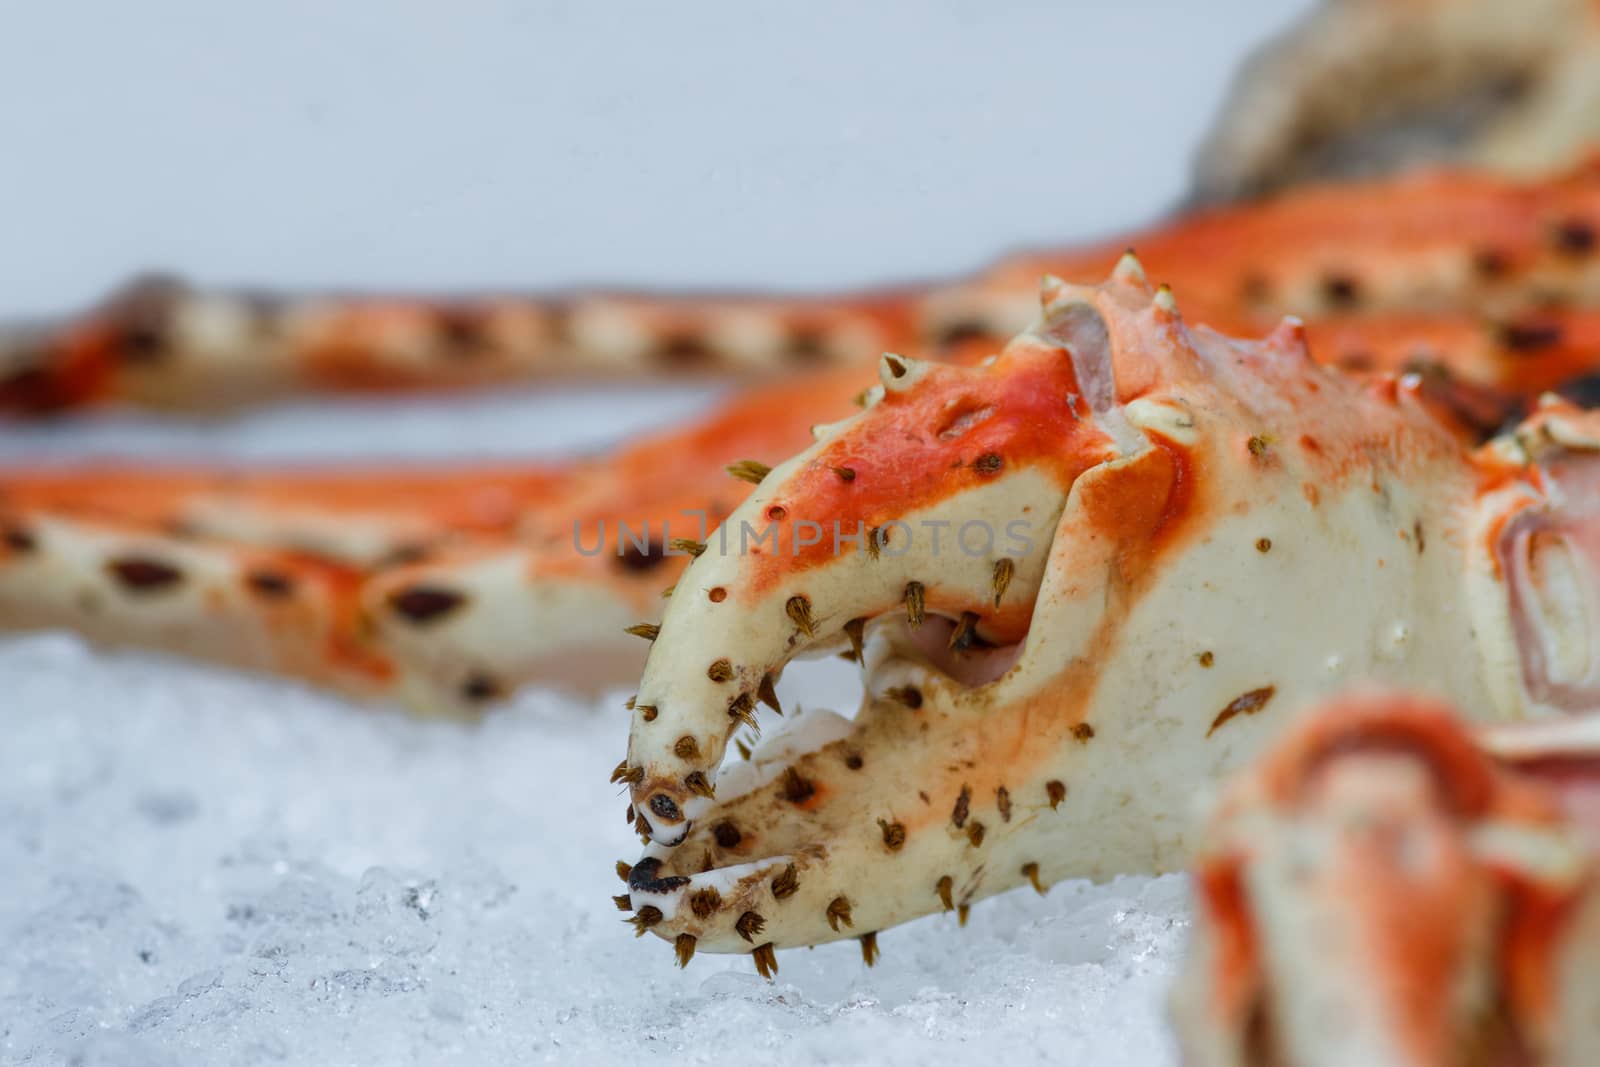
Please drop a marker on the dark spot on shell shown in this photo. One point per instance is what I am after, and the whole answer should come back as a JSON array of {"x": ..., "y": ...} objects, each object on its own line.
[
  {"x": 684, "y": 348},
  {"x": 897, "y": 366},
  {"x": 958, "y": 814},
  {"x": 18, "y": 539},
  {"x": 1420, "y": 536},
  {"x": 1528, "y": 336},
  {"x": 1206, "y": 658},
  {"x": 144, "y": 575},
  {"x": 1491, "y": 264},
  {"x": 463, "y": 330},
  {"x": 1358, "y": 361},
  {"x": 894, "y": 834},
  {"x": 639, "y": 558},
  {"x": 988, "y": 463},
  {"x": 727, "y": 835},
  {"x": 1248, "y": 704},
  {"x": 796, "y": 788},
  {"x": 853, "y": 761},
  {"x": 909, "y": 695},
  {"x": 961, "y": 331},
  {"x": 777, "y": 513},
  {"x": 1263, "y": 544},
  {"x": 1255, "y": 289},
  {"x": 1341, "y": 291},
  {"x": 720, "y": 671},
  {"x": 1575, "y": 237},
  {"x": 479, "y": 688},
  {"x": 665, "y": 807},
  {"x": 1003, "y": 802},
  {"x": 1056, "y": 791},
  {"x": 645, "y": 877},
  {"x": 273, "y": 585},
  {"x": 806, "y": 345},
  {"x": 717, "y": 594},
  {"x": 425, "y": 603},
  {"x": 975, "y": 833},
  {"x": 1082, "y": 731},
  {"x": 686, "y": 748}
]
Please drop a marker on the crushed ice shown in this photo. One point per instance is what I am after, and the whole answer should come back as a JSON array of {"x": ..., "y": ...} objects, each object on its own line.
[{"x": 201, "y": 867}]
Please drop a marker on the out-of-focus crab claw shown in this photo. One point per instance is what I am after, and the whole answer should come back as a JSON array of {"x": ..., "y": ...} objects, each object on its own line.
[
  {"x": 1378, "y": 891},
  {"x": 1085, "y": 578}
]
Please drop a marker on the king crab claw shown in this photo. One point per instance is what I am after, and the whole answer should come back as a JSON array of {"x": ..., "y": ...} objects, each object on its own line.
[{"x": 1219, "y": 532}]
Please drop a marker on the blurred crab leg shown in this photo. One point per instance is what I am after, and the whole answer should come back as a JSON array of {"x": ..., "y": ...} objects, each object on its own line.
[
  {"x": 257, "y": 609},
  {"x": 1418, "y": 243},
  {"x": 1377, "y": 891},
  {"x": 1360, "y": 85},
  {"x": 163, "y": 344}
]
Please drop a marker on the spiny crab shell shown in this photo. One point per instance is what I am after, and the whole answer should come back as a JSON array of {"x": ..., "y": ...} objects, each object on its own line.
[{"x": 1214, "y": 532}]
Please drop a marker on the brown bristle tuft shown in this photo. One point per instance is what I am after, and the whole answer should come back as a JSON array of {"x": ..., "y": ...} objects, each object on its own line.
[
  {"x": 705, "y": 902},
  {"x": 798, "y": 609},
  {"x": 869, "y": 948},
  {"x": 647, "y": 630},
  {"x": 1004, "y": 571},
  {"x": 748, "y": 470},
  {"x": 749, "y": 925},
  {"x": 946, "y": 890},
  {"x": 623, "y": 870},
  {"x": 915, "y": 596},
  {"x": 743, "y": 709},
  {"x": 966, "y": 629},
  {"x": 644, "y": 919},
  {"x": 787, "y": 883},
  {"x": 744, "y": 749},
  {"x": 623, "y": 902},
  {"x": 854, "y": 629},
  {"x": 686, "y": 747},
  {"x": 683, "y": 948},
  {"x": 839, "y": 912},
  {"x": 766, "y": 961},
  {"x": 633, "y": 702},
  {"x": 767, "y": 693},
  {"x": 962, "y": 912},
  {"x": 631, "y": 815},
  {"x": 689, "y": 546},
  {"x": 1030, "y": 871},
  {"x": 696, "y": 783}
]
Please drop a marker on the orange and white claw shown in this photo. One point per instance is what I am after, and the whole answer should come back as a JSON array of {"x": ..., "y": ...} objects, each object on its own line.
[
  {"x": 1378, "y": 891},
  {"x": 1193, "y": 504}
]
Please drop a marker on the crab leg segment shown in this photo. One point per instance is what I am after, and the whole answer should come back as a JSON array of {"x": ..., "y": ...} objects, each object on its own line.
[
  {"x": 1378, "y": 891},
  {"x": 1233, "y": 532}
]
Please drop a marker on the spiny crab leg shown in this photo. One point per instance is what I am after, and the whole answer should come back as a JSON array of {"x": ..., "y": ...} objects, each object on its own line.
[
  {"x": 1232, "y": 531},
  {"x": 1423, "y": 245},
  {"x": 1379, "y": 889}
]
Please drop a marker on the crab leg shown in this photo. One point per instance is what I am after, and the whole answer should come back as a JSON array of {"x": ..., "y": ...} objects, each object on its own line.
[
  {"x": 1217, "y": 532},
  {"x": 1377, "y": 890},
  {"x": 1366, "y": 85},
  {"x": 1431, "y": 244}
]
